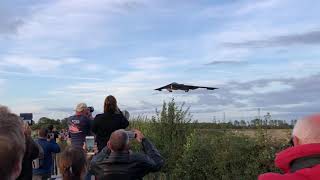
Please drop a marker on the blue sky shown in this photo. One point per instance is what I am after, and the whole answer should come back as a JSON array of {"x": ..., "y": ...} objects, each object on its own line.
[{"x": 261, "y": 54}]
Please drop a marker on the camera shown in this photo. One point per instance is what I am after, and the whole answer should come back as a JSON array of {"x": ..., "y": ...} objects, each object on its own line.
[
  {"x": 27, "y": 117},
  {"x": 50, "y": 135},
  {"x": 131, "y": 135},
  {"x": 91, "y": 109}
]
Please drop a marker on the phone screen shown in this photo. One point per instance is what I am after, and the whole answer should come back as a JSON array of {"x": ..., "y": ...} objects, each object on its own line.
[
  {"x": 90, "y": 143},
  {"x": 131, "y": 135}
]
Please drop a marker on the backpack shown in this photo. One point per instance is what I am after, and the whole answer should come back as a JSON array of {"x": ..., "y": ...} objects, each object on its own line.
[{"x": 38, "y": 162}]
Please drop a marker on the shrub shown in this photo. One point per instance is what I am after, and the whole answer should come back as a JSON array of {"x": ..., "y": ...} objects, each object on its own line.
[{"x": 224, "y": 155}]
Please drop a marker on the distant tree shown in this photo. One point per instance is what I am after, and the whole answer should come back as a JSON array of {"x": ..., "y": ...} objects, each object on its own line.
[
  {"x": 256, "y": 122},
  {"x": 64, "y": 123},
  {"x": 243, "y": 123},
  {"x": 267, "y": 118},
  {"x": 44, "y": 122},
  {"x": 236, "y": 123}
]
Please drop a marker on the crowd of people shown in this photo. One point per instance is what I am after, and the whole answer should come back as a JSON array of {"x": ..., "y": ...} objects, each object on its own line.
[{"x": 25, "y": 158}]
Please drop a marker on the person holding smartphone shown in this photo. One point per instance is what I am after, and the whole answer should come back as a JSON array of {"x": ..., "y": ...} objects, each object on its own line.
[
  {"x": 79, "y": 126},
  {"x": 31, "y": 153},
  {"x": 116, "y": 162},
  {"x": 44, "y": 170},
  {"x": 111, "y": 120}
]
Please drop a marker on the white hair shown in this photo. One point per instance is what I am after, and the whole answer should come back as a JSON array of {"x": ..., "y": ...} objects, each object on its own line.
[{"x": 307, "y": 130}]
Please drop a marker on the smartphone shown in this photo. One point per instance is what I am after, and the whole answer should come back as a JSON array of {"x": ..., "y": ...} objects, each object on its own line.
[
  {"x": 50, "y": 136},
  {"x": 90, "y": 144},
  {"x": 131, "y": 135}
]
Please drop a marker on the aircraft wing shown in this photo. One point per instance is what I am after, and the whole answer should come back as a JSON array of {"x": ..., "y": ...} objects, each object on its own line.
[
  {"x": 164, "y": 87},
  {"x": 208, "y": 88},
  {"x": 204, "y": 87},
  {"x": 191, "y": 87}
]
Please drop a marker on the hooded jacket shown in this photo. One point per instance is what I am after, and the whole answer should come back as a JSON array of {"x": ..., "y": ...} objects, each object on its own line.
[
  {"x": 105, "y": 124},
  {"x": 298, "y": 163},
  {"x": 32, "y": 152},
  {"x": 126, "y": 165},
  {"x": 48, "y": 147}
]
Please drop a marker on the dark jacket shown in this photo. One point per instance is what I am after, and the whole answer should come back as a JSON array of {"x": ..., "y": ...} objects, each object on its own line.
[
  {"x": 104, "y": 124},
  {"x": 298, "y": 163},
  {"x": 48, "y": 147},
  {"x": 31, "y": 153},
  {"x": 79, "y": 128},
  {"x": 126, "y": 165}
]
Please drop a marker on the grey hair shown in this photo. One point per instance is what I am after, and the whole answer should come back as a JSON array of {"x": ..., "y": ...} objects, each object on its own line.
[
  {"x": 125, "y": 135},
  {"x": 119, "y": 139}
]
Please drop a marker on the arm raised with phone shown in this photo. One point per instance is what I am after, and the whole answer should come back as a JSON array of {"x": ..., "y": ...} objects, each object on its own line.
[{"x": 135, "y": 165}]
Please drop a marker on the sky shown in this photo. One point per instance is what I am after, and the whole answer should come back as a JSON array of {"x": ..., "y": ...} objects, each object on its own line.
[{"x": 261, "y": 54}]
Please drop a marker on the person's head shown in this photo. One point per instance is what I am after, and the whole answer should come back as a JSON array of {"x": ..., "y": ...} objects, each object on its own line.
[
  {"x": 119, "y": 141},
  {"x": 43, "y": 132},
  {"x": 110, "y": 104},
  {"x": 307, "y": 130},
  {"x": 12, "y": 144},
  {"x": 82, "y": 109},
  {"x": 72, "y": 164}
]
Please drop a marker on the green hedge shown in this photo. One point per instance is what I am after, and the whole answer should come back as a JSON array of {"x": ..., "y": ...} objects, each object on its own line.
[{"x": 193, "y": 153}]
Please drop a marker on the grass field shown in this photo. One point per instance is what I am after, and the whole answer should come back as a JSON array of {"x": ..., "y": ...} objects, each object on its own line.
[{"x": 276, "y": 134}]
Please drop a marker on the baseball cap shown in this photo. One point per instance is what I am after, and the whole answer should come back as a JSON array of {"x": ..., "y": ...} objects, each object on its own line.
[{"x": 81, "y": 107}]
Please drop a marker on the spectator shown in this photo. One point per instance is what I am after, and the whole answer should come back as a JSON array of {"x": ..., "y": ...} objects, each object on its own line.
[
  {"x": 122, "y": 165},
  {"x": 104, "y": 124},
  {"x": 64, "y": 135},
  {"x": 12, "y": 144},
  {"x": 302, "y": 161},
  {"x": 79, "y": 126},
  {"x": 31, "y": 153},
  {"x": 49, "y": 147},
  {"x": 72, "y": 164},
  {"x": 52, "y": 131}
]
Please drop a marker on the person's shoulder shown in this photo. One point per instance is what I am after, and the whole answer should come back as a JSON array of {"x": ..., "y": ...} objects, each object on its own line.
[
  {"x": 137, "y": 156},
  {"x": 119, "y": 115},
  {"x": 71, "y": 117},
  {"x": 98, "y": 116},
  {"x": 82, "y": 117},
  {"x": 102, "y": 116}
]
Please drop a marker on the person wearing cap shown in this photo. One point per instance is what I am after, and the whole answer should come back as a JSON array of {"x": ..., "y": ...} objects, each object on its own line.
[
  {"x": 79, "y": 125},
  {"x": 302, "y": 161}
]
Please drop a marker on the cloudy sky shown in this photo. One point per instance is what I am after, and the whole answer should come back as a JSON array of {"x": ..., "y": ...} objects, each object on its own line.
[{"x": 260, "y": 53}]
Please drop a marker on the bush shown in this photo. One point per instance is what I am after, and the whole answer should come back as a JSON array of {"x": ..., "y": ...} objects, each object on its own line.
[
  {"x": 168, "y": 130},
  {"x": 223, "y": 155},
  {"x": 193, "y": 153}
]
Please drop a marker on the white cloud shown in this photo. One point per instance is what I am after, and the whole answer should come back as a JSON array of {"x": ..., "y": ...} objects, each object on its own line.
[
  {"x": 50, "y": 76},
  {"x": 254, "y": 6},
  {"x": 93, "y": 67},
  {"x": 2, "y": 85},
  {"x": 67, "y": 26},
  {"x": 36, "y": 64},
  {"x": 156, "y": 63},
  {"x": 274, "y": 86}
]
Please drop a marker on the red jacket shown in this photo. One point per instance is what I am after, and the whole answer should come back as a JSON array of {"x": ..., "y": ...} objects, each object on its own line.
[{"x": 293, "y": 162}]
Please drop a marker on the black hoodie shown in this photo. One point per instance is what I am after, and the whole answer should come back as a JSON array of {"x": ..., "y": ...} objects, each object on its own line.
[{"x": 105, "y": 124}]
